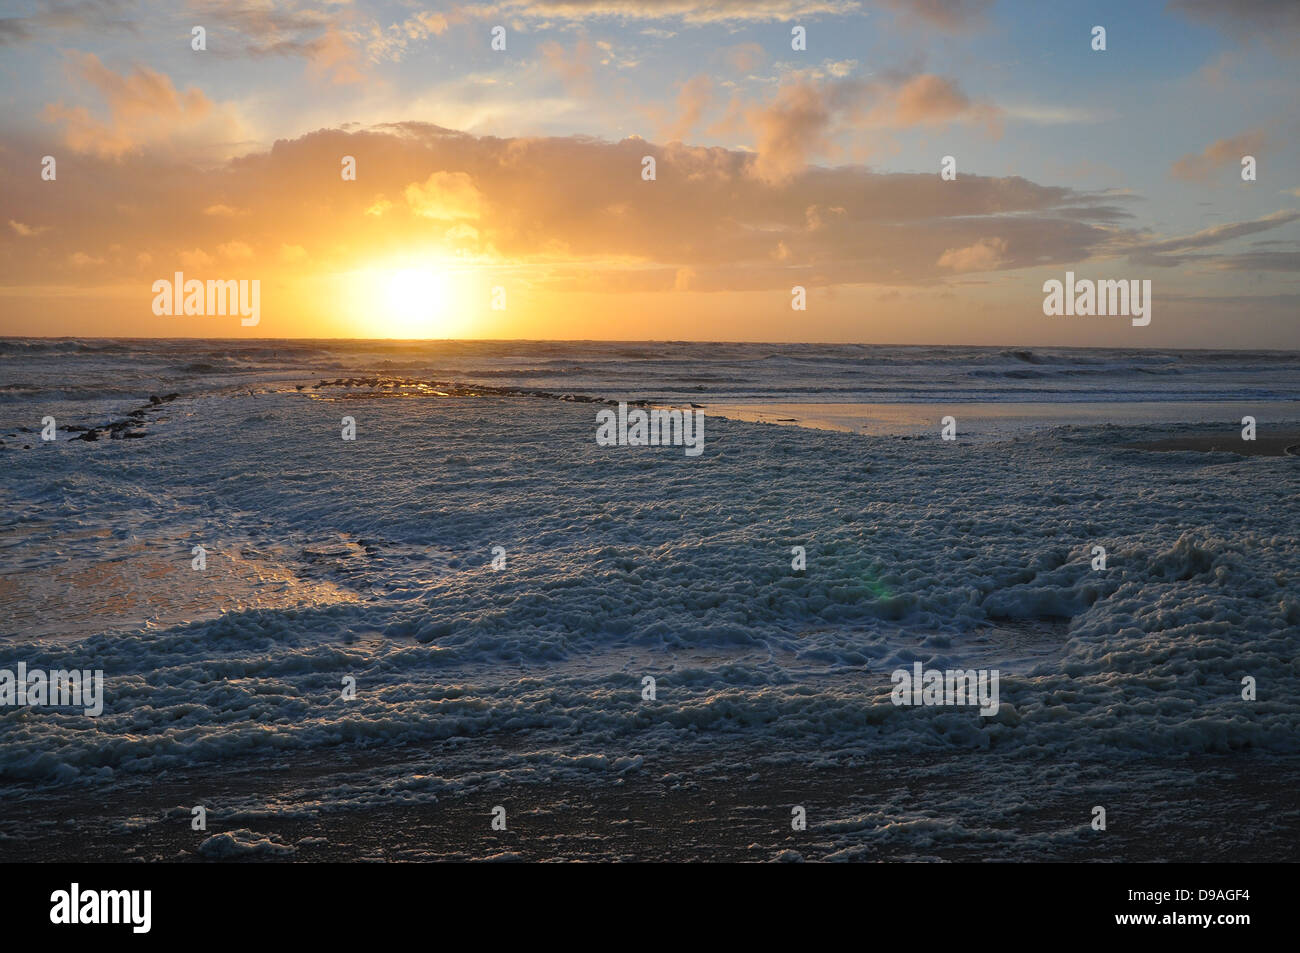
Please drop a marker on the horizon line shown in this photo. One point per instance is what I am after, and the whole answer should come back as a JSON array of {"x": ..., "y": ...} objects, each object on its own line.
[{"x": 669, "y": 341}]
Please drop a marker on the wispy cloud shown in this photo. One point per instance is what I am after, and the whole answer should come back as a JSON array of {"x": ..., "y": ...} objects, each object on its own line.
[
  {"x": 1169, "y": 252},
  {"x": 1199, "y": 167},
  {"x": 144, "y": 108}
]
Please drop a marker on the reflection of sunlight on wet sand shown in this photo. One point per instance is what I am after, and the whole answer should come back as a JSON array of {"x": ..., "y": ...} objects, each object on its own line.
[
  {"x": 997, "y": 420},
  {"x": 143, "y": 585}
]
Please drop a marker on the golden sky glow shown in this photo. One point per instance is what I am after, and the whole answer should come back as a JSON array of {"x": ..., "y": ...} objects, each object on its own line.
[{"x": 515, "y": 177}]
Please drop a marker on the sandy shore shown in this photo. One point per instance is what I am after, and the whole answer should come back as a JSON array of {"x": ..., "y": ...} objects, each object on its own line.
[
  {"x": 983, "y": 420},
  {"x": 522, "y": 687},
  {"x": 1232, "y": 808}
]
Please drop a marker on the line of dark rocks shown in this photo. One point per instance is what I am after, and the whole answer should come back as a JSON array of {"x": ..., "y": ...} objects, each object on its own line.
[
  {"x": 126, "y": 429},
  {"x": 457, "y": 389}
]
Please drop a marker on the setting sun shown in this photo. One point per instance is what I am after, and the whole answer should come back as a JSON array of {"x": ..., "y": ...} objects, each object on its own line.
[
  {"x": 404, "y": 300},
  {"x": 415, "y": 303}
]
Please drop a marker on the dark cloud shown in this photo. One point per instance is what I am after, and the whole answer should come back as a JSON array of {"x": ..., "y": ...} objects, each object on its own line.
[
  {"x": 1276, "y": 23},
  {"x": 80, "y": 16},
  {"x": 1170, "y": 252}
]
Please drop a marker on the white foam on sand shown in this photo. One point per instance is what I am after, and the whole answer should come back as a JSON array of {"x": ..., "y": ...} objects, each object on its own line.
[{"x": 631, "y": 562}]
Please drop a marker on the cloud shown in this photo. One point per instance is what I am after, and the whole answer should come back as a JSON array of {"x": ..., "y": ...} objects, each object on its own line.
[
  {"x": 144, "y": 108},
  {"x": 194, "y": 258},
  {"x": 573, "y": 209},
  {"x": 392, "y": 43},
  {"x": 261, "y": 28},
  {"x": 1260, "y": 261},
  {"x": 805, "y": 117},
  {"x": 1219, "y": 154},
  {"x": 985, "y": 255},
  {"x": 929, "y": 100},
  {"x": 1275, "y": 23},
  {"x": 98, "y": 16},
  {"x": 1169, "y": 252},
  {"x": 27, "y": 231},
  {"x": 952, "y": 16},
  {"x": 445, "y": 195},
  {"x": 330, "y": 41},
  {"x": 744, "y": 57},
  {"x": 695, "y": 96},
  {"x": 573, "y": 67},
  {"x": 335, "y": 59},
  {"x": 1215, "y": 72},
  {"x": 14, "y": 30},
  {"x": 789, "y": 129},
  {"x": 688, "y": 11},
  {"x": 224, "y": 211}
]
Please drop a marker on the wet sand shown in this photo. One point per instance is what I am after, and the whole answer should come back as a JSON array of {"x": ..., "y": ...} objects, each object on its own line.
[
  {"x": 983, "y": 420},
  {"x": 1272, "y": 445},
  {"x": 1229, "y": 808}
]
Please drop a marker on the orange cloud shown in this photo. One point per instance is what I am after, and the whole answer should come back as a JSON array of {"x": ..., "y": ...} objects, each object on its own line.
[
  {"x": 691, "y": 11},
  {"x": 790, "y": 129},
  {"x": 144, "y": 108},
  {"x": 745, "y": 57},
  {"x": 928, "y": 99},
  {"x": 951, "y": 16},
  {"x": 26, "y": 231},
  {"x": 335, "y": 59},
  {"x": 1219, "y": 154},
  {"x": 573, "y": 67},
  {"x": 445, "y": 195},
  {"x": 985, "y": 255},
  {"x": 804, "y": 117},
  {"x": 695, "y": 97},
  {"x": 573, "y": 209}
]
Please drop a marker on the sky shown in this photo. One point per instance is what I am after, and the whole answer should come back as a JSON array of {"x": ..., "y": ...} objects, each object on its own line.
[{"x": 503, "y": 193}]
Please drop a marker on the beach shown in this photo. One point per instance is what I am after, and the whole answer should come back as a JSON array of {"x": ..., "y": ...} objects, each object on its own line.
[{"x": 496, "y": 588}]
